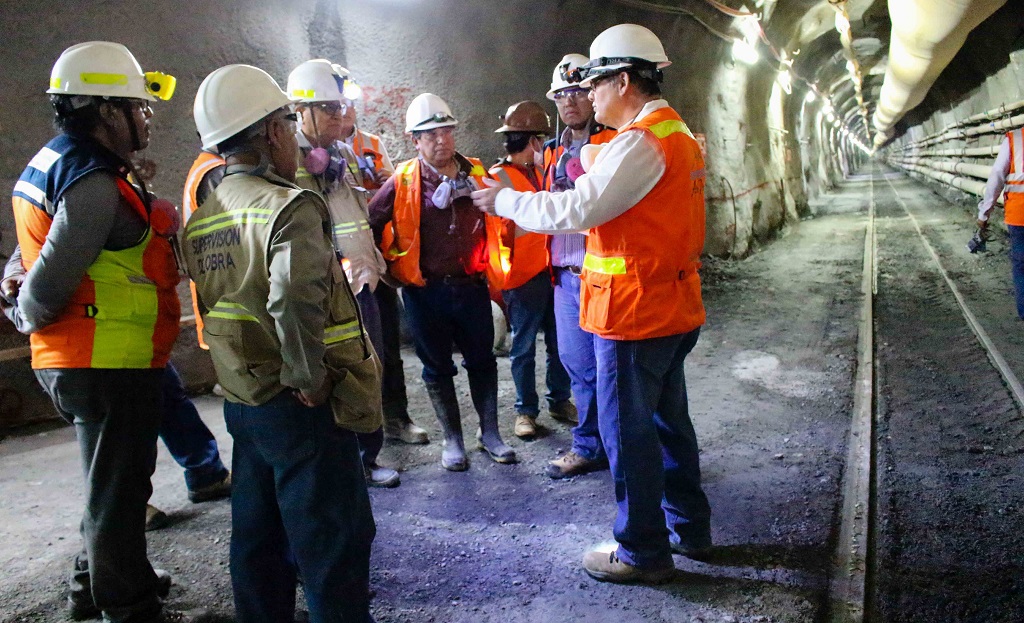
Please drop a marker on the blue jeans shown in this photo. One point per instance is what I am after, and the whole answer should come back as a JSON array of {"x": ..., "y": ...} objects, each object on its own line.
[
  {"x": 652, "y": 447},
  {"x": 530, "y": 310},
  {"x": 186, "y": 436},
  {"x": 370, "y": 444},
  {"x": 298, "y": 484},
  {"x": 576, "y": 352},
  {"x": 1017, "y": 265},
  {"x": 440, "y": 314}
]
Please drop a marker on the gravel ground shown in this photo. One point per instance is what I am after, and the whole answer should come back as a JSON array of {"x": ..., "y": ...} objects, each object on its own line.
[
  {"x": 951, "y": 450},
  {"x": 770, "y": 390}
]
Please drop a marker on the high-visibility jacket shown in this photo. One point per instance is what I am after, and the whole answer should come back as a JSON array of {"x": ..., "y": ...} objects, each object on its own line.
[
  {"x": 513, "y": 261},
  {"x": 369, "y": 146},
  {"x": 203, "y": 164},
  {"x": 1014, "y": 187},
  {"x": 227, "y": 244},
  {"x": 400, "y": 239},
  {"x": 639, "y": 275},
  {"x": 125, "y": 312},
  {"x": 553, "y": 150}
]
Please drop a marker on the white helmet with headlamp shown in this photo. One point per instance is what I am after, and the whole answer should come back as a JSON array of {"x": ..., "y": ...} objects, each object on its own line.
[
  {"x": 560, "y": 77},
  {"x": 427, "y": 112},
  {"x": 320, "y": 80},
  {"x": 106, "y": 69},
  {"x": 623, "y": 47}
]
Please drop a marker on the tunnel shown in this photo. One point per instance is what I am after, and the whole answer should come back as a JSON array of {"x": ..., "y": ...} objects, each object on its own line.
[{"x": 855, "y": 387}]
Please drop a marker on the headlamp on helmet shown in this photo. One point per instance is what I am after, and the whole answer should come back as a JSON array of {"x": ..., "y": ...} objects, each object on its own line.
[
  {"x": 612, "y": 65},
  {"x": 161, "y": 85}
]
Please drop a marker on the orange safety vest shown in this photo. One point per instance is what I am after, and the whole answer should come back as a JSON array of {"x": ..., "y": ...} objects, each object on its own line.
[
  {"x": 124, "y": 314},
  {"x": 639, "y": 275},
  {"x": 365, "y": 145},
  {"x": 1014, "y": 188},
  {"x": 554, "y": 151},
  {"x": 204, "y": 163},
  {"x": 400, "y": 239},
  {"x": 513, "y": 261}
]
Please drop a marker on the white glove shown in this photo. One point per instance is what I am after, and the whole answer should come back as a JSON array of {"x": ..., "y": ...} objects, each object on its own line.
[{"x": 360, "y": 273}]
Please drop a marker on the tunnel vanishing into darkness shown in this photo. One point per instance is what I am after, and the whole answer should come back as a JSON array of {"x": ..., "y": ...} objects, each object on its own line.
[{"x": 804, "y": 108}]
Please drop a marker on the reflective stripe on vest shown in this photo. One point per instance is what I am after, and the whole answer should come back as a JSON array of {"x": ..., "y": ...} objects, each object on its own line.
[
  {"x": 341, "y": 332},
  {"x": 260, "y": 216},
  {"x": 231, "y": 311},
  {"x": 351, "y": 227},
  {"x": 605, "y": 265}
]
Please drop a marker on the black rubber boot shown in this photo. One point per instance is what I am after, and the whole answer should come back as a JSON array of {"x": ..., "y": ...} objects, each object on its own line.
[
  {"x": 446, "y": 406},
  {"x": 483, "y": 387}
]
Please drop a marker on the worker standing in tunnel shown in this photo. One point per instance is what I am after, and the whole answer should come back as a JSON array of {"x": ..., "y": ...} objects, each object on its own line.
[
  {"x": 642, "y": 204},
  {"x": 283, "y": 329},
  {"x": 100, "y": 305},
  {"x": 435, "y": 244},
  {"x": 328, "y": 166},
  {"x": 376, "y": 167},
  {"x": 1008, "y": 175},
  {"x": 575, "y": 346},
  {"x": 519, "y": 265}
]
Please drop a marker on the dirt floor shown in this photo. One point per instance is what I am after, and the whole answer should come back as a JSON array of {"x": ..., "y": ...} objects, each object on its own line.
[{"x": 770, "y": 391}]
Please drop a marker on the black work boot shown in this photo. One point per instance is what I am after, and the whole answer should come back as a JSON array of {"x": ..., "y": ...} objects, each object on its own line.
[
  {"x": 446, "y": 406},
  {"x": 483, "y": 388}
]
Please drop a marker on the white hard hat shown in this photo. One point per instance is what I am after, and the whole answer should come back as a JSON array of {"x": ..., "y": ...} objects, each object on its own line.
[
  {"x": 106, "y": 69},
  {"x": 621, "y": 47},
  {"x": 320, "y": 80},
  {"x": 567, "y": 64},
  {"x": 233, "y": 98},
  {"x": 426, "y": 112}
]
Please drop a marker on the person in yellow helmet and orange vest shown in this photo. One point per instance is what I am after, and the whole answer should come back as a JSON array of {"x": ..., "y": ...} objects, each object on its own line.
[
  {"x": 575, "y": 346},
  {"x": 519, "y": 267},
  {"x": 435, "y": 244},
  {"x": 1008, "y": 175},
  {"x": 642, "y": 204},
  {"x": 99, "y": 302}
]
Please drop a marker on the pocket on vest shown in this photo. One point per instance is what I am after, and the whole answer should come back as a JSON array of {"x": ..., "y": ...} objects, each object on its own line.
[
  {"x": 356, "y": 395},
  {"x": 596, "y": 301}
]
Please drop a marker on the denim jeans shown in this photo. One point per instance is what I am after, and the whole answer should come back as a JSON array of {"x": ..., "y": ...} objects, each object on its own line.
[
  {"x": 298, "y": 483},
  {"x": 439, "y": 315},
  {"x": 576, "y": 352},
  {"x": 1017, "y": 265},
  {"x": 186, "y": 436},
  {"x": 531, "y": 310},
  {"x": 116, "y": 414},
  {"x": 652, "y": 447}
]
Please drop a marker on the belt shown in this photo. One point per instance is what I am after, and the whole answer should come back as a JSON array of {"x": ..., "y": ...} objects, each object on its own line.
[
  {"x": 576, "y": 270},
  {"x": 456, "y": 280}
]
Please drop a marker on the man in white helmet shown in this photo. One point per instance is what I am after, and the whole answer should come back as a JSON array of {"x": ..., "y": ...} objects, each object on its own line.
[
  {"x": 328, "y": 166},
  {"x": 102, "y": 320},
  {"x": 284, "y": 333},
  {"x": 642, "y": 204},
  {"x": 575, "y": 346},
  {"x": 435, "y": 244}
]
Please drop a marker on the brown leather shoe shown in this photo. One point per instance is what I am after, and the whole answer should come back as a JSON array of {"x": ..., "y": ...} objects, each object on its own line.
[
  {"x": 218, "y": 490},
  {"x": 526, "y": 427},
  {"x": 565, "y": 411},
  {"x": 606, "y": 567},
  {"x": 571, "y": 464}
]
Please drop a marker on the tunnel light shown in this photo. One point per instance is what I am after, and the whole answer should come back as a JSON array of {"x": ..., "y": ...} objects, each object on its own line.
[
  {"x": 745, "y": 52},
  {"x": 810, "y": 97}
]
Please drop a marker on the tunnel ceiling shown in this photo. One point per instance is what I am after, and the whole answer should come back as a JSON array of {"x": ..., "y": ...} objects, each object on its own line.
[{"x": 806, "y": 31}]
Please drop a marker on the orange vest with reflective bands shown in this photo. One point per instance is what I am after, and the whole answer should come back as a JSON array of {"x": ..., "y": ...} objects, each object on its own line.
[
  {"x": 1014, "y": 187},
  {"x": 639, "y": 275},
  {"x": 204, "y": 163},
  {"x": 513, "y": 261},
  {"x": 365, "y": 144},
  {"x": 400, "y": 240},
  {"x": 552, "y": 154},
  {"x": 124, "y": 314}
]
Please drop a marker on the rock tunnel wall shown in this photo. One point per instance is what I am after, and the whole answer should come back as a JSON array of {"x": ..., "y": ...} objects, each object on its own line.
[{"x": 480, "y": 55}]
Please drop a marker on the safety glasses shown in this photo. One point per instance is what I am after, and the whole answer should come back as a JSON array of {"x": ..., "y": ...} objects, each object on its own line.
[
  {"x": 331, "y": 108},
  {"x": 572, "y": 93}
]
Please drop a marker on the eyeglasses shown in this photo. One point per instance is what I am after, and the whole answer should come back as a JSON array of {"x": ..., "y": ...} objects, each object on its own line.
[
  {"x": 594, "y": 82},
  {"x": 332, "y": 108},
  {"x": 573, "y": 93}
]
